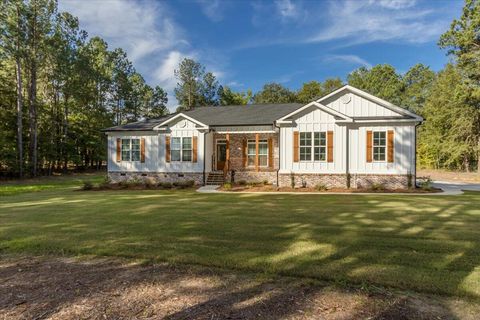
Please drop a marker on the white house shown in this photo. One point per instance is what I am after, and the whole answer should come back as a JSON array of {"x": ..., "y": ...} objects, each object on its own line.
[{"x": 347, "y": 138}]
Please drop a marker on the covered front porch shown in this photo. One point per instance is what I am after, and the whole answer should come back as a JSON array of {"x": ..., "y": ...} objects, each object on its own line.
[{"x": 248, "y": 156}]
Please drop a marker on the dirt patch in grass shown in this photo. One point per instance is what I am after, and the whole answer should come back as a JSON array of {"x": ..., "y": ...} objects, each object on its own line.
[
  {"x": 270, "y": 188},
  {"x": 59, "y": 288}
]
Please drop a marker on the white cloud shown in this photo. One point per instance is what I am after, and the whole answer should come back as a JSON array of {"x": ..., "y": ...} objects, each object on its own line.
[
  {"x": 363, "y": 22},
  {"x": 212, "y": 9},
  {"x": 165, "y": 72},
  {"x": 396, "y": 4},
  {"x": 348, "y": 58},
  {"x": 140, "y": 28},
  {"x": 287, "y": 9}
]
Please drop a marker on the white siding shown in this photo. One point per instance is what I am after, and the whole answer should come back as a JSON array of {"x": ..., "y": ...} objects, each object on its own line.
[
  {"x": 313, "y": 120},
  {"x": 155, "y": 150},
  {"x": 404, "y": 150},
  {"x": 358, "y": 106}
]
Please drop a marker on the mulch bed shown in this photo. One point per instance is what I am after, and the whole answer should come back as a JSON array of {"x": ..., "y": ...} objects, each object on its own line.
[
  {"x": 270, "y": 188},
  {"x": 66, "y": 288}
]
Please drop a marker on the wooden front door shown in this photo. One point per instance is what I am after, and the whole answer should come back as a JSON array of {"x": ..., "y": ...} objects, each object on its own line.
[{"x": 221, "y": 154}]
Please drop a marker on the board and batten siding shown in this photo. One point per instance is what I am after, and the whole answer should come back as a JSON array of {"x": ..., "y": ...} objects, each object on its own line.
[
  {"x": 403, "y": 152},
  {"x": 155, "y": 150},
  {"x": 357, "y": 106},
  {"x": 313, "y": 120}
]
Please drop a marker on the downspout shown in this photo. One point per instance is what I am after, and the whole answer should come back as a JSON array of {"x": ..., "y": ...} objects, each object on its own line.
[
  {"x": 279, "y": 151},
  {"x": 415, "y": 156},
  {"x": 347, "y": 157}
]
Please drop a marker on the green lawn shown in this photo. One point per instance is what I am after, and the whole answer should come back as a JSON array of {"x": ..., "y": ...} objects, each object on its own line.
[{"x": 420, "y": 243}]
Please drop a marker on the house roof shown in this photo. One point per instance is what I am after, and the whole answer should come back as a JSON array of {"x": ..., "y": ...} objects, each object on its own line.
[
  {"x": 263, "y": 114},
  {"x": 239, "y": 115}
]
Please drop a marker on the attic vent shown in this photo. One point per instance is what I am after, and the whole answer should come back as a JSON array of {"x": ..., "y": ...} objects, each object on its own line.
[{"x": 346, "y": 98}]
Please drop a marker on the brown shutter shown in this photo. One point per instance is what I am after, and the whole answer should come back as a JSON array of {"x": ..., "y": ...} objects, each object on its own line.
[
  {"x": 296, "y": 142},
  {"x": 270, "y": 152},
  {"x": 119, "y": 150},
  {"x": 194, "y": 147},
  {"x": 142, "y": 150},
  {"x": 391, "y": 144},
  {"x": 369, "y": 146},
  {"x": 167, "y": 148},
  {"x": 244, "y": 153},
  {"x": 329, "y": 146}
]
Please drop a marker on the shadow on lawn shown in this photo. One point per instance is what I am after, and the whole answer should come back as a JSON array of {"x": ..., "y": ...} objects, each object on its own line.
[
  {"x": 426, "y": 244},
  {"x": 67, "y": 289}
]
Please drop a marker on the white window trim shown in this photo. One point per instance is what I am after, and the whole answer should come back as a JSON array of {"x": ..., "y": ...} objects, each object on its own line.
[
  {"x": 254, "y": 142},
  {"x": 130, "y": 150},
  {"x": 312, "y": 159},
  {"x": 181, "y": 149},
  {"x": 373, "y": 146}
]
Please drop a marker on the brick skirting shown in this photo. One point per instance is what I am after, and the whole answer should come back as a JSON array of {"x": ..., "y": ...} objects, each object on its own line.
[{"x": 156, "y": 177}]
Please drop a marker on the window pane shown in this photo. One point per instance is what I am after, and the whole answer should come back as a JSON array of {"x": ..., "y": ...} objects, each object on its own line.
[
  {"x": 251, "y": 160},
  {"x": 125, "y": 149},
  {"x": 263, "y": 148},
  {"x": 305, "y": 138},
  {"x": 379, "y": 138},
  {"x": 262, "y": 160},
  {"x": 175, "y": 155},
  {"x": 320, "y": 153},
  {"x": 175, "y": 145},
  {"x": 379, "y": 153},
  {"x": 305, "y": 153},
  {"x": 135, "y": 149},
  {"x": 187, "y": 155},
  {"x": 187, "y": 144}
]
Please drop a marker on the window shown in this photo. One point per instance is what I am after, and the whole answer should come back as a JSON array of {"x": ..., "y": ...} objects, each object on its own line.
[
  {"x": 181, "y": 149},
  {"x": 379, "y": 145},
  {"x": 175, "y": 149},
  {"x": 320, "y": 146},
  {"x": 305, "y": 146},
  {"x": 262, "y": 153},
  {"x": 317, "y": 147},
  {"x": 130, "y": 149},
  {"x": 187, "y": 149}
]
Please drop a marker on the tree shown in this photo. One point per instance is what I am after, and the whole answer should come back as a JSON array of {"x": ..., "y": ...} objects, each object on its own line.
[
  {"x": 381, "y": 81},
  {"x": 417, "y": 84},
  {"x": 209, "y": 90},
  {"x": 314, "y": 90},
  {"x": 188, "y": 90},
  {"x": 274, "y": 93},
  {"x": 229, "y": 97},
  {"x": 157, "y": 103},
  {"x": 310, "y": 91},
  {"x": 463, "y": 41}
]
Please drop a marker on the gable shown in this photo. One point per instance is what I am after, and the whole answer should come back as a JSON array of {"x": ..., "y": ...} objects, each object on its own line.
[
  {"x": 182, "y": 123},
  {"x": 354, "y": 105},
  {"x": 313, "y": 115}
]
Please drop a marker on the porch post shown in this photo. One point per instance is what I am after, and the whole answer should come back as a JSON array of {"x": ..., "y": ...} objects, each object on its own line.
[
  {"x": 227, "y": 155},
  {"x": 256, "y": 152}
]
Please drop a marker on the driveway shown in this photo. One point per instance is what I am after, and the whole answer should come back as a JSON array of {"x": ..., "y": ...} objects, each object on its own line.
[{"x": 453, "y": 188}]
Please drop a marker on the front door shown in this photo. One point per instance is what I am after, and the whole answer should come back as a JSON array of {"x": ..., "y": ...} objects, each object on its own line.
[{"x": 221, "y": 154}]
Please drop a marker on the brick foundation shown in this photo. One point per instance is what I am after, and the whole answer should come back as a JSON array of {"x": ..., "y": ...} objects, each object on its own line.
[
  {"x": 388, "y": 181},
  {"x": 312, "y": 180},
  {"x": 156, "y": 177}
]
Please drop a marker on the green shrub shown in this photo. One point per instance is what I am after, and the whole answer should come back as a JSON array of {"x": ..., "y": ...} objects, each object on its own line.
[
  {"x": 165, "y": 185},
  {"x": 242, "y": 182},
  {"x": 425, "y": 183},
  {"x": 184, "y": 184},
  {"x": 87, "y": 185},
  {"x": 377, "y": 187},
  {"x": 321, "y": 187},
  {"x": 292, "y": 181},
  {"x": 227, "y": 186},
  {"x": 265, "y": 182}
]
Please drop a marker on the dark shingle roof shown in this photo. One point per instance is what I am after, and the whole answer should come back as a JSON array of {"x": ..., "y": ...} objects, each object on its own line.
[{"x": 255, "y": 114}]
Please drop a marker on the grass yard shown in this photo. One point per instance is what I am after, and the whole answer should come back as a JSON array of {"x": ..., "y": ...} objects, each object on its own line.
[{"x": 421, "y": 243}]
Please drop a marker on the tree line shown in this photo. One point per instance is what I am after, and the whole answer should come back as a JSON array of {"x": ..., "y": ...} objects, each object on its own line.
[{"x": 59, "y": 88}]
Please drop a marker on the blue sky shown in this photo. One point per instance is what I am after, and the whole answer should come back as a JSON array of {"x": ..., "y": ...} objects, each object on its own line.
[{"x": 249, "y": 43}]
